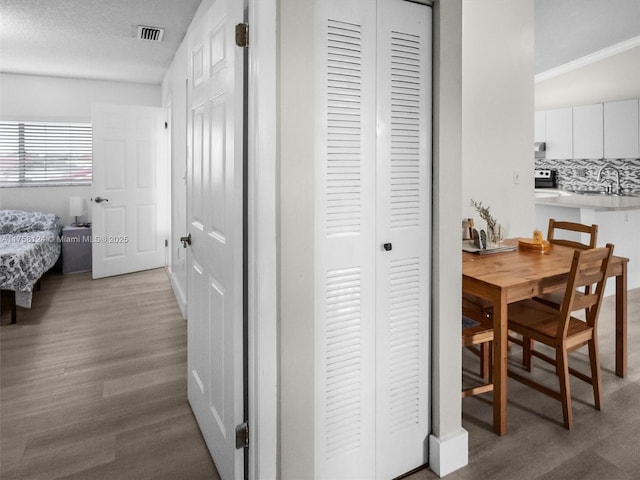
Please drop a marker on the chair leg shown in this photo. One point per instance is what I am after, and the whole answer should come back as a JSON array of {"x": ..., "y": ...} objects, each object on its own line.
[
  {"x": 484, "y": 360},
  {"x": 527, "y": 347},
  {"x": 565, "y": 388},
  {"x": 490, "y": 348},
  {"x": 596, "y": 380}
]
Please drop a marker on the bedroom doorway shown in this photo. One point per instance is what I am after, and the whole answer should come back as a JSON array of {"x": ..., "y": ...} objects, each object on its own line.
[{"x": 129, "y": 178}]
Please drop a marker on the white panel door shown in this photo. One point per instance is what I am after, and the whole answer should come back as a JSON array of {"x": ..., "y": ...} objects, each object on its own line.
[
  {"x": 373, "y": 137},
  {"x": 215, "y": 222},
  {"x": 403, "y": 192},
  {"x": 128, "y": 173}
]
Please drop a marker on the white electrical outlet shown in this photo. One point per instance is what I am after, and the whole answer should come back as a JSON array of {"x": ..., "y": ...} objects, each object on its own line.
[{"x": 516, "y": 176}]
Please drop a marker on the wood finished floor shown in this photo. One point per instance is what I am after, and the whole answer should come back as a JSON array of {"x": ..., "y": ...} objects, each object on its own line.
[
  {"x": 93, "y": 386},
  {"x": 604, "y": 445}
]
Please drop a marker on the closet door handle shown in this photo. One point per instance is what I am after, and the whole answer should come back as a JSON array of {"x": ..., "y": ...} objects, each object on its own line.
[{"x": 387, "y": 246}]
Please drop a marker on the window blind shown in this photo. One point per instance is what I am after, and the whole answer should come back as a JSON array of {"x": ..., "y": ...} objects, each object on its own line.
[{"x": 39, "y": 153}]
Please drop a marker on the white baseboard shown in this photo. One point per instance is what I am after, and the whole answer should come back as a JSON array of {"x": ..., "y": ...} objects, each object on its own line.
[
  {"x": 179, "y": 294},
  {"x": 448, "y": 454}
]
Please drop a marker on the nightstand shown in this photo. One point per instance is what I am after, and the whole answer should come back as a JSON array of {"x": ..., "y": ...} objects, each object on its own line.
[{"x": 76, "y": 249}]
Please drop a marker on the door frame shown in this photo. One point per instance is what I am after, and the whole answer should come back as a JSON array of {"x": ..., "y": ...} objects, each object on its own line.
[{"x": 262, "y": 301}]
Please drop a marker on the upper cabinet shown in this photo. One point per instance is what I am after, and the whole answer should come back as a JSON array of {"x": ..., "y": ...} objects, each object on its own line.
[
  {"x": 559, "y": 133},
  {"x": 621, "y": 129},
  {"x": 609, "y": 130},
  {"x": 539, "y": 127},
  {"x": 588, "y": 131}
]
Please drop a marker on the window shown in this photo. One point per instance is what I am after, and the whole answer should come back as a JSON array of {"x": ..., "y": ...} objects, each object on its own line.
[{"x": 37, "y": 154}]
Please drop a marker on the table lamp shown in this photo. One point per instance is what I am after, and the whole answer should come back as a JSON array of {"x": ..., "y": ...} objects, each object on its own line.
[{"x": 76, "y": 208}]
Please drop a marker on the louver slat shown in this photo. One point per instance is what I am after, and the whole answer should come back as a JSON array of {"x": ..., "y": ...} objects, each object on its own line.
[
  {"x": 343, "y": 361},
  {"x": 404, "y": 343},
  {"x": 405, "y": 130},
  {"x": 344, "y": 129}
]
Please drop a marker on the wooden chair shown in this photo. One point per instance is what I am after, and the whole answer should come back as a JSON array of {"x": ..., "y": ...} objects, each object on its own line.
[
  {"x": 477, "y": 304},
  {"x": 560, "y": 330},
  {"x": 477, "y": 334},
  {"x": 554, "y": 225},
  {"x": 555, "y": 299}
]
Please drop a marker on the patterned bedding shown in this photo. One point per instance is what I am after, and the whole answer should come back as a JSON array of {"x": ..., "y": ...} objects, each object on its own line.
[{"x": 29, "y": 246}]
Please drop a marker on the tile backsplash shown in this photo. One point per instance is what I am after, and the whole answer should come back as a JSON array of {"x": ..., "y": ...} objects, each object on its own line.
[{"x": 583, "y": 174}]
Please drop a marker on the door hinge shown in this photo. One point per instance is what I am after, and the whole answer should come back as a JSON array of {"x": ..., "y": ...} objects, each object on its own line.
[
  {"x": 242, "y": 35},
  {"x": 166, "y": 125},
  {"x": 166, "y": 242},
  {"x": 242, "y": 435}
]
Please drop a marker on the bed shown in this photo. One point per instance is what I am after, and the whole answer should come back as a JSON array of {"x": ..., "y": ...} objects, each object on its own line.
[{"x": 29, "y": 246}]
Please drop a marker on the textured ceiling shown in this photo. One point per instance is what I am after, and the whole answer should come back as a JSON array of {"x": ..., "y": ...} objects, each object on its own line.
[
  {"x": 566, "y": 30},
  {"x": 97, "y": 38},
  {"x": 93, "y": 39}
]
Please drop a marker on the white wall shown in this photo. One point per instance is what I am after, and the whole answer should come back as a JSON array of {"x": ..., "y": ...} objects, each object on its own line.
[
  {"x": 296, "y": 239},
  {"x": 448, "y": 442},
  {"x": 174, "y": 94},
  {"x": 39, "y": 98},
  {"x": 613, "y": 78},
  {"x": 497, "y": 111}
]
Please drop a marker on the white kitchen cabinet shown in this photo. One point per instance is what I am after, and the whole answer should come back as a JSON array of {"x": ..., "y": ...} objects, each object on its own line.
[
  {"x": 559, "y": 133},
  {"x": 588, "y": 131},
  {"x": 621, "y": 129},
  {"x": 539, "y": 126},
  {"x": 619, "y": 227}
]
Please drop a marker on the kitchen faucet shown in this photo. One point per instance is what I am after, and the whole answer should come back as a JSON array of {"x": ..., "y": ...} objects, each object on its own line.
[{"x": 611, "y": 167}]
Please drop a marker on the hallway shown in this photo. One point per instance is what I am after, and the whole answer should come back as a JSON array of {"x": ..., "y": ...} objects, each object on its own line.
[{"x": 94, "y": 384}]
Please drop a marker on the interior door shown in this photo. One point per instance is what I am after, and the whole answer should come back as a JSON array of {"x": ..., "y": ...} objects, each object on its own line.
[
  {"x": 345, "y": 105},
  {"x": 373, "y": 144},
  {"x": 215, "y": 222},
  {"x": 403, "y": 204},
  {"x": 128, "y": 217}
]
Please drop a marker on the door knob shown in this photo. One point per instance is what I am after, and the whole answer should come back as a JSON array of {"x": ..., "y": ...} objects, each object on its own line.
[
  {"x": 186, "y": 240},
  {"x": 99, "y": 199},
  {"x": 387, "y": 246}
]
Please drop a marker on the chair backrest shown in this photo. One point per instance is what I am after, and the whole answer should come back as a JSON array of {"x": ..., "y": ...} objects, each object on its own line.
[
  {"x": 592, "y": 231},
  {"x": 588, "y": 268}
]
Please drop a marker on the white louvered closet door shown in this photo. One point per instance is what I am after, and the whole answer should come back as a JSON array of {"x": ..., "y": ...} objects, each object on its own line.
[
  {"x": 373, "y": 165},
  {"x": 403, "y": 180},
  {"x": 345, "y": 261}
]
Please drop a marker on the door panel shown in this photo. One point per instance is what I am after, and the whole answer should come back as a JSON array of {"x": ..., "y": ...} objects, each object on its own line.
[
  {"x": 373, "y": 111},
  {"x": 215, "y": 221},
  {"x": 345, "y": 271},
  {"x": 128, "y": 167},
  {"x": 403, "y": 192}
]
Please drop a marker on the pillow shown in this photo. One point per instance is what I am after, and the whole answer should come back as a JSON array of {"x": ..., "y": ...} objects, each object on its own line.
[{"x": 20, "y": 221}]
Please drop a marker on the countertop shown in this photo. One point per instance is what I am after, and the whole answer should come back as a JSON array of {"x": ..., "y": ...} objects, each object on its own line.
[{"x": 561, "y": 198}]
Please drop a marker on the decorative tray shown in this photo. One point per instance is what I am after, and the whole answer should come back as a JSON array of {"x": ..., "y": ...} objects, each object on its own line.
[
  {"x": 468, "y": 246},
  {"x": 529, "y": 244}
]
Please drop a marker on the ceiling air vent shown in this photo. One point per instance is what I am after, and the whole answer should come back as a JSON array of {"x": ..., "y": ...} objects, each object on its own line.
[{"x": 154, "y": 34}]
